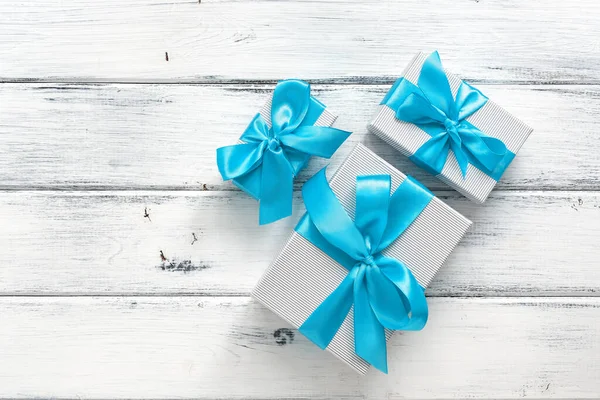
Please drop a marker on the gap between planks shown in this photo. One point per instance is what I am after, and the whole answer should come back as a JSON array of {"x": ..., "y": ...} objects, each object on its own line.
[
  {"x": 508, "y": 295},
  {"x": 102, "y": 242},
  {"x": 89, "y": 190},
  {"x": 342, "y": 81},
  {"x": 227, "y": 348},
  {"x": 104, "y": 137}
]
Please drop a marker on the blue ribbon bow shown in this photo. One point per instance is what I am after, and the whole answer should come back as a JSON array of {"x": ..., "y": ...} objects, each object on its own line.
[
  {"x": 384, "y": 292},
  {"x": 431, "y": 106},
  {"x": 266, "y": 164}
]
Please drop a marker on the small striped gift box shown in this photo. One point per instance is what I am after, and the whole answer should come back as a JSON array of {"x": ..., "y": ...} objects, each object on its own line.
[
  {"x": 491, "y": 119},
  {"x": 302, "y": 276},
  {"x": 325, "y": 119}
]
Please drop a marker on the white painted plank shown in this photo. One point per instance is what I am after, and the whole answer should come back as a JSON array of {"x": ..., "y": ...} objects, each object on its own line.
[
  {"x": 144, "y": 347},
  {"x": 165, "y": 136},
  {"x": 521, "y": 243},
  {"x": 550, "y": 40}
]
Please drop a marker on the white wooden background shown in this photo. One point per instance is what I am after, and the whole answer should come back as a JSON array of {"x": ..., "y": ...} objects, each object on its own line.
[{"x": 126, "y": 264}]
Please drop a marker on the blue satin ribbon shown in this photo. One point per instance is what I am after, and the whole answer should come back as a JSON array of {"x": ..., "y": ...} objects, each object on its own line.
[
  {"x": 267, "y": 162},
  {"x": 384, "y": 292},
  {"x": 431, "y": 106}
]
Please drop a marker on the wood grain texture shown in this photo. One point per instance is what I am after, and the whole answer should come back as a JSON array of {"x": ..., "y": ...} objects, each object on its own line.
[
  {"x": 165, "y": 136},
  {"x": 126, "y": 261},
  {"x": 142, "y": 40},
  {"x": 211, "y": 348},
  {"x": 110, "y": 243}
]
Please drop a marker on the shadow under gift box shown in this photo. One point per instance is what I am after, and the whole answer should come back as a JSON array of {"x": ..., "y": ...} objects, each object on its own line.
[
  {"x": 302, "y": 276},
  {"x": 491, "y": 119}
]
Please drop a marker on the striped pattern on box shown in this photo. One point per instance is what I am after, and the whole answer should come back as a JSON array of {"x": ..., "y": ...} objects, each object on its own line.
[
  {"x": 302, "y": 276},
  {"x": 491, "y": 119}
]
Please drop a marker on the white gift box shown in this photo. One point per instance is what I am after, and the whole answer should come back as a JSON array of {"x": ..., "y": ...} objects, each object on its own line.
[
  {"x": 302, "y": 275},
  {"x": 327, "y": 118},
  {"x": 491, "y": 119}
]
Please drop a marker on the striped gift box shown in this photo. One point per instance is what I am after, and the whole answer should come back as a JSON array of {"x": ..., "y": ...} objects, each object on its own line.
[
  {"x": 302, "y": 276},
  {"x": 491, "y": 119},
  {"x": 325, "y": 119}
]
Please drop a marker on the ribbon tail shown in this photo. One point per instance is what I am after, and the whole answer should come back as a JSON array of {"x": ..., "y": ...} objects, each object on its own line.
[
  {"x": 369, "y": 335},
  {"x": 297, "y": 159},
  {"x": 321, "y": 141},
  {"x": 276, "y": 187},
  {"x": 461, "y": 158},
  {"x": 489, "y": 151},
  {"x": 322, "y": 325},
  {"x": 250, "y": 182},
  {"x": 432, "y": 155},
  {"x": 238, "y": 159}
]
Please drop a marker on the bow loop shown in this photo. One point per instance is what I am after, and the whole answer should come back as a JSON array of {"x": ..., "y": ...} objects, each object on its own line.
[
  {"x": 239, "y": 160},
  {"x": 431, "y": 106},
  {"x": 289, "y": 105},
  {"x": 488, "y": 151},
  {"x": 434, "y": 84},
  {"x": 330, "y": 218},
  {"x": 270, "y": 157},
  {"x": 383, "y": 291},
  {"x": 416, "y": 109},
  {"x": 257, "y": 131},
  {"x": 468, "y": 100},
  {"x": 386, "y": 300}
]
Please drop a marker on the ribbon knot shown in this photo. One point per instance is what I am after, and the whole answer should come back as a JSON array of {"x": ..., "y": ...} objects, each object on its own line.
[
  {"x": 369, "y": 260},
  {"x": 450, "y": 125},
  {"x": 274, "y": 145},
  {"x": 431, "y": 106},
  {"x": 270, "y": 157},
  {"x": 382, "y": 290}
]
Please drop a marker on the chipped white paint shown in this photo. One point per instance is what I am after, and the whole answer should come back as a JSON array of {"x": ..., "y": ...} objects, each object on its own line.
[
  {"x": 148, "y": 347},
  {"x": 521, "y": 243},
  {"x": 551, "y": 40},
  {"x": 111, "y": 189},
  {"x": 165, "y": 136}
]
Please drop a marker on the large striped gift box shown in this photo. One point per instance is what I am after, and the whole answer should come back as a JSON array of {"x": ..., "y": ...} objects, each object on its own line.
[
  {"x": 302, "y": 276},
  {"x": 491, "y": 119}
]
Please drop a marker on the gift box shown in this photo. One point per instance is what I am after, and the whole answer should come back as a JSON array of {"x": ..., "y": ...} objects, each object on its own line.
[
  {"x": 302, "y": 276},
  {"x": 290, "y": 128},
  {"x": 449, "y": 128}
]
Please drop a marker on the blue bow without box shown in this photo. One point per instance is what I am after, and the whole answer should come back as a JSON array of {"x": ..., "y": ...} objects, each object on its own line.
[
  {"x": 431, "y": 106},
  {"x": 266, "y": 163}
]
